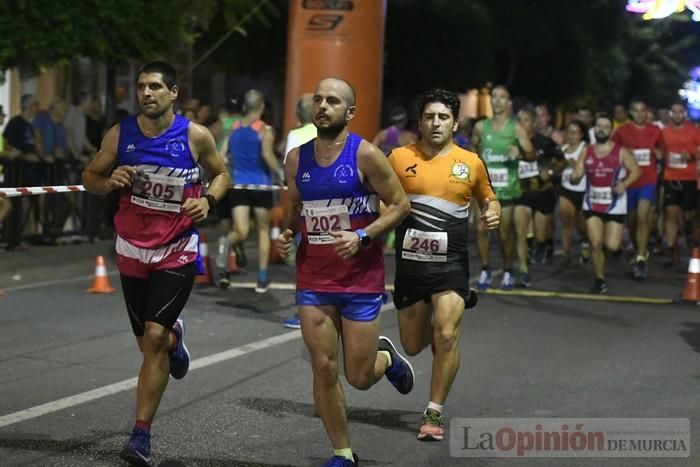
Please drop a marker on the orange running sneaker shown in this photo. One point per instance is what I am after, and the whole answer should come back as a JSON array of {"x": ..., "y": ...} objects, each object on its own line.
[{"x": 432, "y": 427}]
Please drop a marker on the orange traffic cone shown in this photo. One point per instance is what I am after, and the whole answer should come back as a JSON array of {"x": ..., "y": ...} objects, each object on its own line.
[
  {"x": 692, "y": 284},
  {"x": 232, "y": 262},
  {"x": 207, "y": 277},
  {"x": 100, "y": 284}
]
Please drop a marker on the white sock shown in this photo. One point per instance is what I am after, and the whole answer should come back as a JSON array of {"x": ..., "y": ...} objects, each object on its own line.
[
  {"x": 436, "y": 407},
  {"x": 387, "y": 355}
]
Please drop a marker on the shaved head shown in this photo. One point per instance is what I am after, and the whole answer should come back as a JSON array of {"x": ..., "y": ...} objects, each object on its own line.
[
  {"x": 333, "y": 107},
  {"x": 305, "y": 108},
  {"x": 253, "y": 101},
  {"x": 341, "y": 87}
]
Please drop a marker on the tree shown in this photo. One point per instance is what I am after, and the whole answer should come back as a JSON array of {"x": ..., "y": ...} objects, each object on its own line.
[
  {"x": 241, "y": 36},
  {"x": 651, "y": 60},
  {"x": 42, "y": 33},
  {"x": 574, "y": 52}
]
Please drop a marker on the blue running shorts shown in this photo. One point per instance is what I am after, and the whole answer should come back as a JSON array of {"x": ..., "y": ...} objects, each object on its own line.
[{"x": 352, "y": 306}]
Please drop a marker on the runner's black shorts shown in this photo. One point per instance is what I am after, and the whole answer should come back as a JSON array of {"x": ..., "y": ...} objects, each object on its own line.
[
  {"x": 160, "y": 298},
  {"x": 223, "y": 207},
  {"x": 619, "y": 218},
  {"x": 253, "y": 198},
  {"x": 409, "y": 290},
  {"x": 538, "y": 201},
  {"x": 681, "y": 193},
  {"x": 576, "y": 197}
]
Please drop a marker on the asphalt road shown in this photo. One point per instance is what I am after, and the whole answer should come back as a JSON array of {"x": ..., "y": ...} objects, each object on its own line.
[{"x": 68, "y": 359}]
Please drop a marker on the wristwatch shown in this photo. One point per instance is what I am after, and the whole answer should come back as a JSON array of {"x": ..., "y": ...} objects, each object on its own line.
[
  {"x": 211, "y": 200},
  {"x": 365, "y": 240}
]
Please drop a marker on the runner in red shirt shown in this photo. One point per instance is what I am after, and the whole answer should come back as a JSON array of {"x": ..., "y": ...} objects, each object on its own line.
[
  {"x": 682, "y": 149},
  {"x": 644, "y": 141}
]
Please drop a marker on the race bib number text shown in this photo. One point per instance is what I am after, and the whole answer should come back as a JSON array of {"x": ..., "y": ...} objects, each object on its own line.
[
  {"x": 677, "y": 161},
  {"x": 158, "y": 192},
  {"x": 643, "y": 156},
  {"x": 528, "y": 169},
  {"x": 424, "y": 246},
  {"x": 601, "y": 195},
  {"x": 321, "y": 221},
  {"x": 499, "y": 177}
]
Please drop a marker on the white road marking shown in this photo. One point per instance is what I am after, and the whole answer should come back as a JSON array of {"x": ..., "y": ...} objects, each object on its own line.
[
  {"x": 37, "y": 285},
  {"x": 104, "y": 391},
  {"x": 281, "y": 286}
]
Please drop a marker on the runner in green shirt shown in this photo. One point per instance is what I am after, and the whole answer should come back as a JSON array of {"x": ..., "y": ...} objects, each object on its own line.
[{"x": 502, "y": 143}]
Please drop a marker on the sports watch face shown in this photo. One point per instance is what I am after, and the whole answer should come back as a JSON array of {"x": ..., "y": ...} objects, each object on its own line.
[{"x": 365, "y": 240}]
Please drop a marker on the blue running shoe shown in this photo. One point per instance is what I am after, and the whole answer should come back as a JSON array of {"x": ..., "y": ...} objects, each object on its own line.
[
  {"x": 180, "y": 357},
  {"x": 484, "y": 279},
  {"x": 138, "y": 450},
  {"x": 293, "y": 322},
  {"x": 400, "y": 373},
  {"x": 507, "y": 282},
  {"x": 340, "y": 461}
]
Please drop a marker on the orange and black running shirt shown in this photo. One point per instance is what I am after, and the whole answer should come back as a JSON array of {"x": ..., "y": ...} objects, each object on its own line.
[{"x": 433, "y": 238}]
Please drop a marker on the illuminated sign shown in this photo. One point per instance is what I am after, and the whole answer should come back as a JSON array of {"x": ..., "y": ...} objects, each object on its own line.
[
  {"x": 657, "y": 9},
  {"x": 691, "y": 93}
]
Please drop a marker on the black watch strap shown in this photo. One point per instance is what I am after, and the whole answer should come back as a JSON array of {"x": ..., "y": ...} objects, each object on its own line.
[{"x": 211, "y": 200}]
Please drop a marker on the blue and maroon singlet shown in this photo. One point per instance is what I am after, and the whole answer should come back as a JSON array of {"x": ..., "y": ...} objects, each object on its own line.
[
  {"x": 334, "y": 198},
  {"x": 152, "y": 231}
]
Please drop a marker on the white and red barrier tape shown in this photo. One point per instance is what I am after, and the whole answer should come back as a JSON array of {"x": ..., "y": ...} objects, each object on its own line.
[
  {"x": 42, "y": 190},
  {"x": 258, "y": 187},
  {"x": 38, "y": 190}
]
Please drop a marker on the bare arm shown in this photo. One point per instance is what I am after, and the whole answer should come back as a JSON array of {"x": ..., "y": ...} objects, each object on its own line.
[
  {"x": 39, "y": 143},
  {"x": 476, "y": 136},
  {"x": 558, "y": 137},
  {"x": 630, "y": 164},
  {"x": 379, "y": 139},
  {"x": 407, "y": 137},
  {"x": 381, "y": 177},
  {"x": 558, "y": 162},
  {"x": 268, "y": 151},
  {"x": 489, "y": 205},
  {"x": 579, "y": 171},
  {"x": 87, "y": 145},
  {"x": 216, "y": 129},
  {"x": 293, "y": 210},
  {"x": 71, "y": 145},
  {"x": 528, "y": 151},
  {"x": 96, "y": 176},
  {"x": 224, "y": 151},
  {"x": 204, "y": 148},
  {"x": 696, "y": 152},
  {"x": 207, "y": 156},
  {"x": 376, "y": 172}
]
